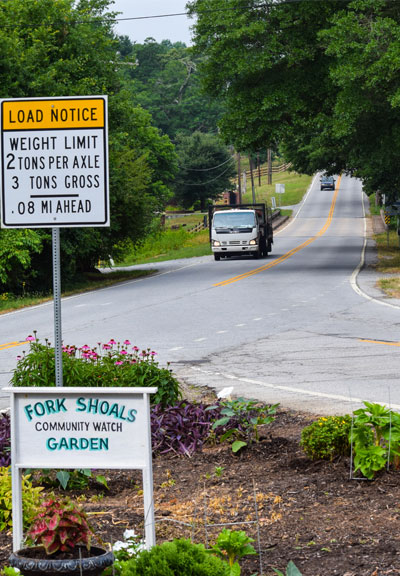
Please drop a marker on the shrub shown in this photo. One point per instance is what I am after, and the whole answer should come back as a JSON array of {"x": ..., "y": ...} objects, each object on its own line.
[
  {"x": 327, "y": 438},
  {"x": 30, "y": 499},
  {"x": 176, "y": 558},
  {"x": 182, "y": 428},
  {"x": 5, "y": 440},
  {"x": 109, "y": 364}
]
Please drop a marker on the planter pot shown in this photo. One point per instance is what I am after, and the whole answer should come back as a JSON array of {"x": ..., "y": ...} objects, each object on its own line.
[{"x": 33, "y": 562}]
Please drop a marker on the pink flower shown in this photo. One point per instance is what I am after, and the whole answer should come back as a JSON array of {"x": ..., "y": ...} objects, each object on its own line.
[
  {"x": 19, "y": 358},
  {"x": 124, "y": 352},
  {"x": 85, "y": 347},
  {"x": 112, "y": 342},
  {"x": 153, "y": 353},
  {"x": 118, "y": 362},
  {"x": 106, "y": 347},
  {"x": 135, "y": 349},
  {"x": 127, "y": 343},
  {"x": 30, "y": 338}
]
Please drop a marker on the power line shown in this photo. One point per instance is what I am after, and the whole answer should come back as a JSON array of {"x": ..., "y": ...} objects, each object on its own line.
[{"x": 207, "y": 169}]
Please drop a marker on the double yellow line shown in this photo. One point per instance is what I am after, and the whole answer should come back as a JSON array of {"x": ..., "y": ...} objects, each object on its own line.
[
  {"x": 291, "y": 252},
  {"x": 12, "y": 344}
]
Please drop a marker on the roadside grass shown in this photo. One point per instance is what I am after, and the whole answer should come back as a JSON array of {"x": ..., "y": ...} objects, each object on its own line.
[
  {"x": 389, "y": 263},
  {"x": 296, "y": 186}
]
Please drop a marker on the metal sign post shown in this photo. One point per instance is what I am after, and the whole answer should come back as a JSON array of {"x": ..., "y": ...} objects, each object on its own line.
[{"x": 57, "y": 306}]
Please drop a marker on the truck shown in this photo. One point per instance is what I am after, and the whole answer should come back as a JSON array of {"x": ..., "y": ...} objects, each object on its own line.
[{"x": 240, "y": 230}]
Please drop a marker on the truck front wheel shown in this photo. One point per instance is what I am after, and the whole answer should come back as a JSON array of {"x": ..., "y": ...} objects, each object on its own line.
[{"x": 217, "y": 256}]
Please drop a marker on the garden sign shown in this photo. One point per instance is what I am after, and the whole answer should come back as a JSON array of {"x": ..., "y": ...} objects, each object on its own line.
[{"x": 79, "y": 427}]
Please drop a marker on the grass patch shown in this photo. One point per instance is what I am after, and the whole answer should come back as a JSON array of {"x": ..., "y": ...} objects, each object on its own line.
[
  {"x": 388, "y": 253},
  {"x": 170, "y": 245},
  {"x": 296, "y": 186},
  {"x": 391, "y": 286},
  {"x": 10, "y": 302}
]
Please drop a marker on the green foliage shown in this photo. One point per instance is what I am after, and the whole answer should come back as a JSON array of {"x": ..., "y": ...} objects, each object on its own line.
[
  {"x": 206, "y": 169},
  {"x": 110, "y": 364},
  {"x": 291, "y": 570},
  {"x": 240, "y": 420},
  {"x": 30, "y": 499},
  {"x": 320, "y": 78},
  {"x": 232, "y": 545},
  {"x": 8, "y": 571},
  {"x": 68, "y": 47},
  {"x": 165, "y": 81},
  {"x": 69, "y": 479},
  {"x": 376, "y": 438},
  {"x": 327, "y": 438},
  {"x": 179, "y": 557}
]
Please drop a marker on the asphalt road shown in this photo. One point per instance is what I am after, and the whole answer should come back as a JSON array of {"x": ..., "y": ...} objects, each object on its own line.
[{"x": 299, "y": 327}]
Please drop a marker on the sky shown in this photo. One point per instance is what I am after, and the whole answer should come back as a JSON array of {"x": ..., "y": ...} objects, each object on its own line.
[{"x": 174, "y": 28}]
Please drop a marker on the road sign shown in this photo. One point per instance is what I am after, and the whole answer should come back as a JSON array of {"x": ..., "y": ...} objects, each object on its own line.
[
  {"x": 279, "y": 188},
  {"x": 54, "y": 161}
]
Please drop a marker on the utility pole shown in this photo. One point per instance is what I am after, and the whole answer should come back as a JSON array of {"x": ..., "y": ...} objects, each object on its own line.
[
  {"x": 259, "y": 169},
  {"x": 269, "y": 166},
  {"x": 239, "y": 178},
  {"x": 253, "y": 191}
]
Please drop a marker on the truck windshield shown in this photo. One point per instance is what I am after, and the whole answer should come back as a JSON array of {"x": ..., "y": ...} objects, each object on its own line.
[{"x": 234, "y": 220}]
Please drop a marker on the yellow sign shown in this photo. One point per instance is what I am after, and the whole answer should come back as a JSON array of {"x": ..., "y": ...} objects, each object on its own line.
[{"x": 53, "y": 114}]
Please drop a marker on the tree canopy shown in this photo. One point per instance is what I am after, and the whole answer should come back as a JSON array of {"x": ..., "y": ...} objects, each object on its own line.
[
  {"x": 206, "y": 168},
  {"x": 319, "y": 78},
  {"x": 68, "y": 48}
]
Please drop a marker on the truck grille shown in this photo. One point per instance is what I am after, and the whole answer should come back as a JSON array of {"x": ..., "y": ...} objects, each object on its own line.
[{"x": 234, "y": 243}]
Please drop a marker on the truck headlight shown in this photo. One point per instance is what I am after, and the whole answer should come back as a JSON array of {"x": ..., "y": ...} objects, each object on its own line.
[
  {"x": 253, "y": 242},
  {"x": 216, "y": 243}
]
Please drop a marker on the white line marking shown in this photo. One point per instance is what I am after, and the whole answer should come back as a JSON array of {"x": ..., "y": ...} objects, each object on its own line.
[
  {"x": 222, "y": 332},
  {"x": 289, "y": 388},
  {"x": 199, "y": 339},
  {"x": 239, "y": 325},
  {"x": 256, "y": 319},
  {"x": 176, "y": 348},
  {"x": 353, "y": 279}
]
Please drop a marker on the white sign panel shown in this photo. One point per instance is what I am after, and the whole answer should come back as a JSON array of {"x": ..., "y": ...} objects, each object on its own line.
[
  {"x": 279, "y": 188},
  {"x": 81, "y": 427},
  {"x": 54, "y": 160}
]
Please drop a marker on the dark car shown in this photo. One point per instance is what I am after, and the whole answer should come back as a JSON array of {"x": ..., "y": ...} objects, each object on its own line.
[{"x": 327, "y": 183}]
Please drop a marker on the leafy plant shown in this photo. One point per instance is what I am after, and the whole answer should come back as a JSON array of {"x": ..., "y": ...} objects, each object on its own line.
[
  {"x": 182, "y": 428},
  {"x": 109, "y": 364},
  {"x": 240, "y": 420},
  {"x": 231, "y": 546},
  {"x": 376, "y": 438},
  {"x": 327, "y": 438},
  {"x": 291, "y": 570},
  {"x": 60, "y": 525},
  {"x": 9, "y": 571},
  {"x": 78, "y": 479},
  {"x": 177, "y": 557},
  {"x": 30, "y": 499},
  {"x": 5, "y": 440}
]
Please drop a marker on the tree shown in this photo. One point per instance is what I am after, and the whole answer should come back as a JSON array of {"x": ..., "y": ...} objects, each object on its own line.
[
  {"x": 164, "y": 79},
  {"x": 320, "y": 78},
  {"x": 206, "y": 169},
  {"x": 63, "y": 47}
]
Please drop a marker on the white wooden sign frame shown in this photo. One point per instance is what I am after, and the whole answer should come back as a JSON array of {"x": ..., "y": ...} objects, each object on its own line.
[{"x": 104, "y": 428}]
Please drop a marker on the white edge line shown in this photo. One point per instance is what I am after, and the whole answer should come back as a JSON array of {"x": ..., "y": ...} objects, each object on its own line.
[
  {"x": 89, "y": 292},
  {"x": 354, "y": 276},
  {"x": 288, "y": 388}
]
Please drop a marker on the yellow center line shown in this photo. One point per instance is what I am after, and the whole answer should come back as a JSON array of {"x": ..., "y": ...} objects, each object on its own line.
[
  {"x": 12, "y": 344},
  {"x": 291, "y": 252},
  {"x": 379, "y": 342}
]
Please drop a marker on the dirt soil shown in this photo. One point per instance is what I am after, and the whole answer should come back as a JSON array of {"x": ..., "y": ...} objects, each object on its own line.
[{"x": 308, "y": 512}]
